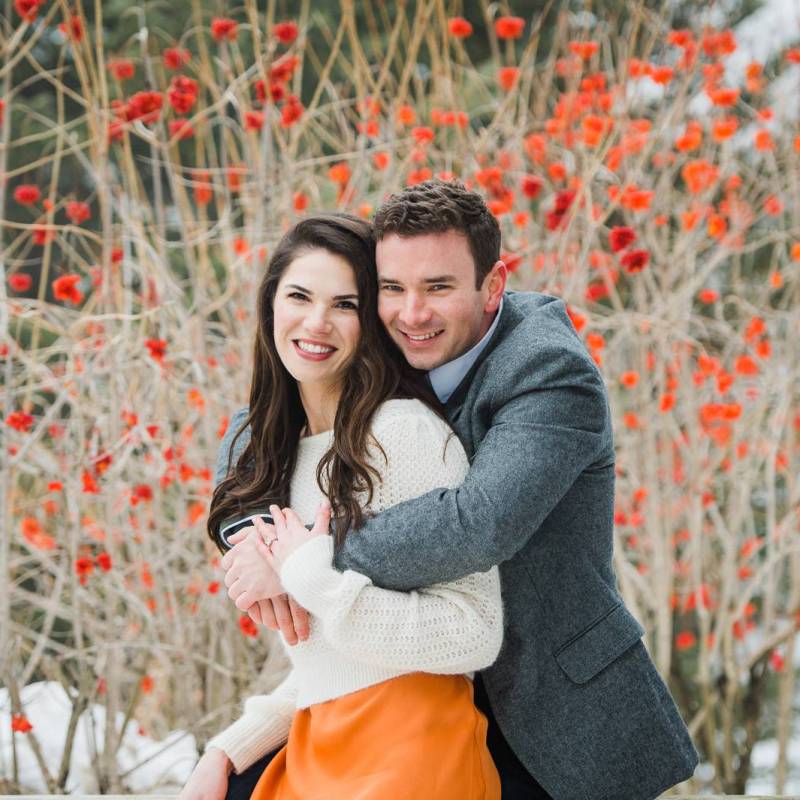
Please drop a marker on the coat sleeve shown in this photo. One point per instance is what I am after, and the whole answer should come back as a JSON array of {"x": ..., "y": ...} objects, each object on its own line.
[
  {"x": 221, "y": 464},
  {"x": 548, "y": 422}
]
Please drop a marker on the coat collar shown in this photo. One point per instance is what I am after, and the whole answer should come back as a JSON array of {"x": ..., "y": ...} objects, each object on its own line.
[
  {"x": 446, "y": 378},
  {"x": 510, "y": 318}
]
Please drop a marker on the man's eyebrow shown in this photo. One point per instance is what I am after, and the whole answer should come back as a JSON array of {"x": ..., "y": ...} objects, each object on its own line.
[
  {"x": 437, "y": 279},
  {"x": 309, "y": 292}
]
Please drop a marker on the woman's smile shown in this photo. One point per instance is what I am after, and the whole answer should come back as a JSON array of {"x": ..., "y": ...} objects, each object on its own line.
[{"x": 313, "y": 350}]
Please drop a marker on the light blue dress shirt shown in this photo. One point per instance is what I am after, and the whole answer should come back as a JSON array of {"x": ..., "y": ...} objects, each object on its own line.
[{"x": 445, "y": 378}]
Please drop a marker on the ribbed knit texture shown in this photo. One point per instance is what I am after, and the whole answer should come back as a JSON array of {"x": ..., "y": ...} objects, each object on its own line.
[{"x": 362, "y": 634}]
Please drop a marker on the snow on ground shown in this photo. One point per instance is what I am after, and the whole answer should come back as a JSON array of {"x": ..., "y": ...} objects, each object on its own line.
[
  {"x": 765, "y": 757},
  {"x": 162, "y": 766}
]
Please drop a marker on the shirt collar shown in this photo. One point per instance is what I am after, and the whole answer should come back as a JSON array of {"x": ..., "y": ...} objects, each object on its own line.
[{"x": 446, "y": 377}]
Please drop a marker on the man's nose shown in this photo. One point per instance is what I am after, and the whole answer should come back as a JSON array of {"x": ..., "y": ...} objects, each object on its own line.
[{"x": 415, "y": 311}]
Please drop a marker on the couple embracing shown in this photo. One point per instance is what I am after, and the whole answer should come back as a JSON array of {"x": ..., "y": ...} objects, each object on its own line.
[{"x": 451, "y": 616}]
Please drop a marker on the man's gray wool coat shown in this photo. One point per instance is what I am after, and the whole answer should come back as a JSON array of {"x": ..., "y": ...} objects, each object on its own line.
[{"x": 573, "y": 690}]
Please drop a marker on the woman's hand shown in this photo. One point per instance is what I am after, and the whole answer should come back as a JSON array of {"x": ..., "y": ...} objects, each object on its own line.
[
  {"x": 209, "y": 778},
  {"x": 249, "y": 575},
  {"x": 290, "y": 533}
]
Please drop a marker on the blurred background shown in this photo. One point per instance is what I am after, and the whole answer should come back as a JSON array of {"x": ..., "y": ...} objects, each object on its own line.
[{"x": 642, "y": 159}]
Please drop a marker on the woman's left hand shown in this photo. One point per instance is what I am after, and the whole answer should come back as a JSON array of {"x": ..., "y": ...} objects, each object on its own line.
[{"x": 290, "y": 533}]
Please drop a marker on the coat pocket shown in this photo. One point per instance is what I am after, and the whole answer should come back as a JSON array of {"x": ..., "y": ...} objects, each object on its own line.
[{"x": 592, "y": 650}]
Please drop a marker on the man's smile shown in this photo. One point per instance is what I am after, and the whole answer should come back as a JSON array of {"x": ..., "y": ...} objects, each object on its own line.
[{"x": 421, "y": 338}]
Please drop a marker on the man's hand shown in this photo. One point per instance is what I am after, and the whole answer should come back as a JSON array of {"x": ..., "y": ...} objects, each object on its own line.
[
  {"x": 284, "y": 614},
  {"x": 209, "y": 779},
  {"x": 278, "y": 612},
  {"x": 248, "y": 573}
]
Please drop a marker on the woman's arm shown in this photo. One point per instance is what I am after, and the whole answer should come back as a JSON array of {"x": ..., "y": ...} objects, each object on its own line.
[
  {"x": 264, "y": 726},
  {"x": 447, "y": 628},
  {"x": 265, "y": 721}
]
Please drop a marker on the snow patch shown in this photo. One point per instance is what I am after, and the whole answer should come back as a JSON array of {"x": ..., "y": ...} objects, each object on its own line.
[
  {"x": 147, "y": 765},
  {"x": 764, "y": 759}
]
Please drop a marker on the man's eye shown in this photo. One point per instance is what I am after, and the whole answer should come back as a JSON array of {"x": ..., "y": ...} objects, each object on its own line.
[
  {"x": 390, "y": 287},
  {"x": 439, "y": 286}
]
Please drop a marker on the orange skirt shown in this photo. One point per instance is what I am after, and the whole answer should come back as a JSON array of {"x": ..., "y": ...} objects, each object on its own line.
[{"x": 411, "y": 737}]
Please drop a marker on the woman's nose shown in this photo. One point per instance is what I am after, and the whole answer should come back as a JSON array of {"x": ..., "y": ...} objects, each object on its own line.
[{"x": 317, "y": 320}]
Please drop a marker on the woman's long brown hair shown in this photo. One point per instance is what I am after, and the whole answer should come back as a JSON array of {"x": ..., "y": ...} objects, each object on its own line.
[{"x": 377, "y": 372}]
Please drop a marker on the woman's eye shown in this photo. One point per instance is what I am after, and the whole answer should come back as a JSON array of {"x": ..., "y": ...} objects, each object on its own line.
[
  {"x": 297, "y": 295},
  {"x": 347, "y": 304}
]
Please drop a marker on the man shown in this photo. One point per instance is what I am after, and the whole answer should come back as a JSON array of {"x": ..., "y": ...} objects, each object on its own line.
[{"x": 576, "y": 708}]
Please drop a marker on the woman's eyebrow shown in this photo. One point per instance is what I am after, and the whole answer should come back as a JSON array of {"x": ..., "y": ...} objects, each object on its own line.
[{"x": 309, "y": 292}]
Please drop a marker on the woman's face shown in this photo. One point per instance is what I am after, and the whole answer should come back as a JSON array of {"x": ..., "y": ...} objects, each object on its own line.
[{"x": 316, "y": 324}]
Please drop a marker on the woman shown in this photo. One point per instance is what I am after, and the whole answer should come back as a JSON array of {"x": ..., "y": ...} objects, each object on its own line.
[{"x": 378, "y": 703}]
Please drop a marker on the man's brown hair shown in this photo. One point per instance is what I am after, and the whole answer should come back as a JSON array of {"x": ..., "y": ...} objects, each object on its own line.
[{"x": 437, "y": 206}]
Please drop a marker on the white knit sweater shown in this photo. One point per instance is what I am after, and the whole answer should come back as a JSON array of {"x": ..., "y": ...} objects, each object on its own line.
[{"x": 361, "y": 634}]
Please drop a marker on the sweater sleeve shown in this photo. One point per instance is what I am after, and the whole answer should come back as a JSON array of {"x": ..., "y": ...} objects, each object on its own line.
[
  {"x": 263, "y": 727},
  {"x": 448, "y": 628}
]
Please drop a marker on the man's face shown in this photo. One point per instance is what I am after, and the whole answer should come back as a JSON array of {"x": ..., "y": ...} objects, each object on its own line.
[{"x": 428, "y": 300}]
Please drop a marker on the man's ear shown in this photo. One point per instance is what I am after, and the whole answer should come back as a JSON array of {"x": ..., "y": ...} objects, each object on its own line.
[{"x": 494, "y": 284}]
